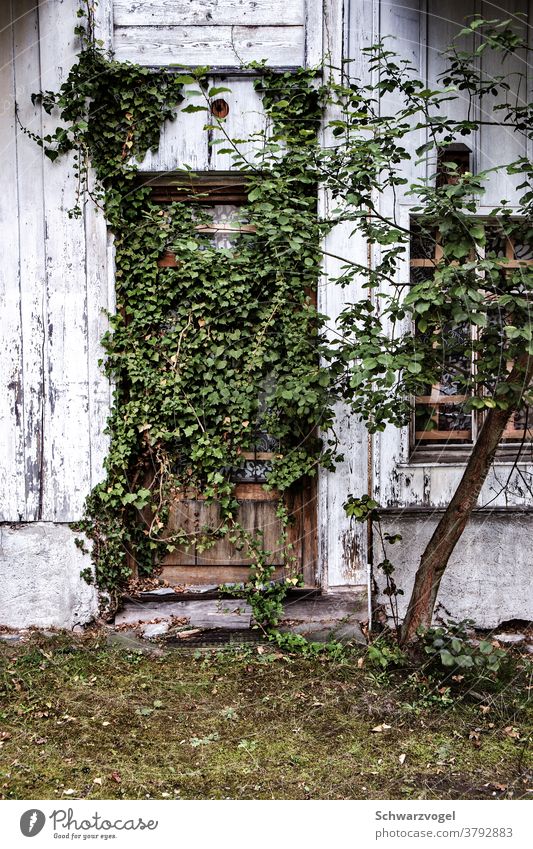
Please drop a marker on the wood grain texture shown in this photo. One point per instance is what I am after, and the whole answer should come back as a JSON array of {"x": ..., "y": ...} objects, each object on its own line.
[
  {"x": 423, "y": 31},
  {"x": 189, "y": 576},
  {"x": 194, "y": 516},
  {"x": 245, "y": 118},
  {"x": 103, "y": 22},
  {"x": 66, "y": 420},
  {"x": 183, "y": 144},
  {"x": 405, "y": 25},
  {"x": 12, "y": 484},
  {"x": 443, "y": 26},
  {"x": 208, "y": 12},
  {"x": 55, "y": 400},
  {"x": 216, "y": 46},
  {"x": 255, "y": 514},
  {"x": 500, "y": 145},
  {"x": 314, "y": 20},
  {"x": 99, "y": 302},
  {"x": 227, "y": 613},
  {"x": 31, "y": 247},
  {"x": 341, "y": 547},
  {"x": 362, "y": 24}
]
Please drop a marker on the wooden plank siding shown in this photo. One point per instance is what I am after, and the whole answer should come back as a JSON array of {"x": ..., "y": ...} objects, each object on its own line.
[
  {"x": 56, "y": 275},
  {"x": 185, "y": 142},
  {"x": 31, "y": 249},
  {"x": 57, "y": 272},
  {"x": 256, "y": 513},
  {"x": 499, "y": 145},
  {"x": 12, "y": 484},
  {"x": 207, "y": 12},
  {"x": 342, "y": 544},
  {"x": 53, "y": 287},
  {"x": 211, "y": 46},
  {"x": 218, "y": 33}
]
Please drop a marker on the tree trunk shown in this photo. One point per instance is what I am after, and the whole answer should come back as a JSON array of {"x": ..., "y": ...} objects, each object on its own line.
[{"x": 452, "y": 524}]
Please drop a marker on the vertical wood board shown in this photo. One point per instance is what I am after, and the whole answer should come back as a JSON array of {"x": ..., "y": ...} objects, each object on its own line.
[
  {"x": 98, "y": 304},
  {"x": 66, "y": 439},
  {"x": 500, "y": 145},
  {"x": 246, "y": 116},
  {"x": 31, "y": 244},
  {"x": 12, "y": 487}
]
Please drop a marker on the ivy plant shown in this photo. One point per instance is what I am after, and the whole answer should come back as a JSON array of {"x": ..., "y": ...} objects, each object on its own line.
[{"x": 203, "y": 354}]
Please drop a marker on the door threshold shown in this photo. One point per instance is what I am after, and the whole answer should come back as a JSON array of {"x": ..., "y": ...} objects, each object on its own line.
[{"x": 199, "y": 593}]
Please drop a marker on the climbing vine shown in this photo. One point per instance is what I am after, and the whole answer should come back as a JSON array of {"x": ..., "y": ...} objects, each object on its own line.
[{"x": 225, "y": 343}]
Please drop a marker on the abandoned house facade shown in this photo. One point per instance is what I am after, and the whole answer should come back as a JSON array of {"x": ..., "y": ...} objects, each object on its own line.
[{"x": 57, "y": 285}]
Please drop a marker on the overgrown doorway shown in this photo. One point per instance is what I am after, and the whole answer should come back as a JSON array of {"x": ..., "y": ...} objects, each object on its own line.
[{"x": 226, "y": 560}]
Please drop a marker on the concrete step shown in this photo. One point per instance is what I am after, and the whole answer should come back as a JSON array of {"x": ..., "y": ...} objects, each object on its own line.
[{"x": 335, "y": 615}]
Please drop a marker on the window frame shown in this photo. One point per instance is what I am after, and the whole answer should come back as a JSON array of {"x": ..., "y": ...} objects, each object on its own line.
[{"x": 436, "y": 447}]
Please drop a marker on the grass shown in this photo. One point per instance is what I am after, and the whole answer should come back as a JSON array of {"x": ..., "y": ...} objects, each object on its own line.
[{"x": 81, "y": 719}]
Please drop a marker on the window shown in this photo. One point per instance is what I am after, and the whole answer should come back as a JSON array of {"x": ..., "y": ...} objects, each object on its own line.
[{"x": 440, "y": 418}]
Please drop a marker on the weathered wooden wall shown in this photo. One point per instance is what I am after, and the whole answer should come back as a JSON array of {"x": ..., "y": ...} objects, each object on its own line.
[
  {"x": 53, "y": 287},
  {"x": 343, "y": 545},
  {"x": 420, "y": 30},
  {"x": 56, "y": 277},
  {"x": 56, "y": 273},
  {"x": 218, "y": 33}
]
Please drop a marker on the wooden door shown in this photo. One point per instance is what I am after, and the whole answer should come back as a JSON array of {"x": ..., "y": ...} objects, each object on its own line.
[{"x": 225, "y": 562}]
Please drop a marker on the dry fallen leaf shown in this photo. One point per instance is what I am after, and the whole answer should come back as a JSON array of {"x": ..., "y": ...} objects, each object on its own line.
[
  {"x": 97, "y": 781},
  {"x": 402, "y": 758},
  {"x": 116, "y": 777},
  {"x": 360, "y": 663},
  {"x": 382, "y": 727},
  {"x": 512, "y": 732},
  {"x": 475, "y": 738}
]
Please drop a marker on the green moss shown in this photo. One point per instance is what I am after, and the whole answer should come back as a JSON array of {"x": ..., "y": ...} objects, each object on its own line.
[{"x": 241, "y": 725}]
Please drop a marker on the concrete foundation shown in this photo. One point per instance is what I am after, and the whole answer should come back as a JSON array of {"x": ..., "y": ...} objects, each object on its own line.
[
  {"x": 40, "y": 582},
  {"x": 489, "y": 577}
]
